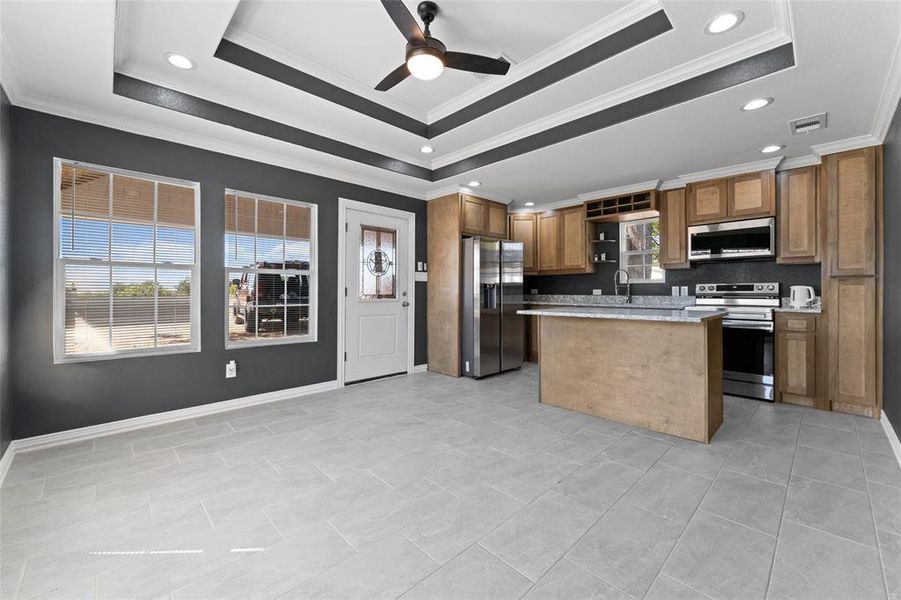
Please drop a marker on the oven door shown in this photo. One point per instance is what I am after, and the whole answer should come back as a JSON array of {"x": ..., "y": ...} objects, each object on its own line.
[{"x": 748, "y": 358}]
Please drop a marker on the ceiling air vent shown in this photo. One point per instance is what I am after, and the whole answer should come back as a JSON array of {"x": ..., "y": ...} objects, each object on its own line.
[{"x": 807, "y": 124}]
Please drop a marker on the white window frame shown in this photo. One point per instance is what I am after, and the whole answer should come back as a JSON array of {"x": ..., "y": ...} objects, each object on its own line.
[
  {"x": 623, "y": 252},
  {"x": 313, "y": 273},
  {"x": 59, "y": 271}
]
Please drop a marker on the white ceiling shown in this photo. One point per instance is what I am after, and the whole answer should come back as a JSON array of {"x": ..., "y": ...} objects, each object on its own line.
[{"x": 59, "y": 56}]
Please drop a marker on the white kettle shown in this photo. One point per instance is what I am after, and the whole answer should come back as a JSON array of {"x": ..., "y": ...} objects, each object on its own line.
[{"x": 801, "y": 296}]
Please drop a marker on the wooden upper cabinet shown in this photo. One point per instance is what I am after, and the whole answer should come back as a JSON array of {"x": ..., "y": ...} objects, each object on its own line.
[
  {"x": 752, "y": 195},
  {"x": 497, "y": 220},
  {"x": 482, "y": 217},
  {"x": 851, "y": 212},
  {"x": 708, "y": 201},
  {"x": 549, "y": 241},
  {"x": 852, "y": 347},
  {"x": 524, "y": 228},
  {"x": 673, "y": 232},
  {"x": 474, "y": 214},
  {"x": 797, "y": 216},
  {"x": 574, "y": 248}
]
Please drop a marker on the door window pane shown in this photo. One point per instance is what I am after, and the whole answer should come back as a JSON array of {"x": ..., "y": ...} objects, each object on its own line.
[{"x": 377, "y": 263}]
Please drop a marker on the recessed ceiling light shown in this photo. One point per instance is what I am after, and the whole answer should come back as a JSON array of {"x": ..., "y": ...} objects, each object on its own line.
[
  {"x": 474, "y": 183},
  {"x": 530, "y": 204},
  {"x": 771, "y": 148},
  {"x": 724, "y": 22},
  {"x": 426, "y": 149},
  {"x": 756, "y": 104},
  {"x": 179, "y": 60}
]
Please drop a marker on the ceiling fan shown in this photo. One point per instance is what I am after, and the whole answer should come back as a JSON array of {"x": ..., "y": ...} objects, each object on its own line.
[{"x": 426, "y": 56}]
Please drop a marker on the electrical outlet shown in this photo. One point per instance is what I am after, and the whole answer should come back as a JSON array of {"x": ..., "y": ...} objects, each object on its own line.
[
  {"x": 231, "y": 369},
  {"x": 534, "y": 291},
  {"x": 597, "y": 292},
  {"x": 683, "y": 290}
]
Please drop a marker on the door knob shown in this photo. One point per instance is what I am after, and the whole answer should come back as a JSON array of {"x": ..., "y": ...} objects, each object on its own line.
[{"x": 405, "y": 304}]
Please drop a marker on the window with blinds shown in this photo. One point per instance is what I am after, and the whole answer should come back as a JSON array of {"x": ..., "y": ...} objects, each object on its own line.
[
  {"x": 126, "y": 263},
  {"x": 270, "y": 270}
]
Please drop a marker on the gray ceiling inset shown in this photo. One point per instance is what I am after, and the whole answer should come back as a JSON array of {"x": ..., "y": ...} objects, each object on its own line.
[
  {"x": 719, "y": 79},
  {"x": 736, "y": 73},
  {"x": 601, "y": 50},
  {"x": 143, "y": 91}
]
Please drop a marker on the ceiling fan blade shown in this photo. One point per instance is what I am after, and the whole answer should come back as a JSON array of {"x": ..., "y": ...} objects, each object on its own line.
[
  {"x": 393, "y": 78},
  {"x": 404, "y": 20},
  {"x": 475, "y": 63}
]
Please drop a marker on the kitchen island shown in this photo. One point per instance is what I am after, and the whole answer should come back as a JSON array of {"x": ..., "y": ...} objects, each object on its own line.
[{"x": 653, "y": 368}]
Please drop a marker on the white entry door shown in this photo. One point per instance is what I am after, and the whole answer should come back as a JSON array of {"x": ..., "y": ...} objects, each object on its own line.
[{"x": 376, "y": 300}]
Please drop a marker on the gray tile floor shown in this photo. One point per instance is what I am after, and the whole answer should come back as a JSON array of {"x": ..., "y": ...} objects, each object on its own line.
[{"x": 431, "y": 487}]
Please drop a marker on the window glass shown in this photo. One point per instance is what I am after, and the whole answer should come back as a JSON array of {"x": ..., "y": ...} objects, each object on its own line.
[
  {"x": 126, "y": 254},
  {"x": 640, "y": 250},
  {"x": 377, "y": 268}
]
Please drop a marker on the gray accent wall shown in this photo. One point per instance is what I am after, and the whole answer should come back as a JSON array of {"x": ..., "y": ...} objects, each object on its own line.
[
  {"x": 49, "y": 397},
  {"x": 6, "y": 193},
  {"x": 891, "y": 323}
]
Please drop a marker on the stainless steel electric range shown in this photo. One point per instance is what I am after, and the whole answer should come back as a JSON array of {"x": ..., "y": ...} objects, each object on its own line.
[{"x": 748, "y": 336}]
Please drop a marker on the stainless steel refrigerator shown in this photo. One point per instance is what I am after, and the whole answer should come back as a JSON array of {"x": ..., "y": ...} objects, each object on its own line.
[{"x": 492, "y": 333}]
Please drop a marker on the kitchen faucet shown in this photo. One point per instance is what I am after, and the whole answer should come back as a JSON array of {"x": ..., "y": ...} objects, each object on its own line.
[{"x": 617, "y": 281}]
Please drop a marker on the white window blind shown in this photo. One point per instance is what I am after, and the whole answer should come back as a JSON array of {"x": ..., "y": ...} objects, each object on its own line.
[
  {"x": 639, "y": 251},
  {"x": 270, "y": 268},
  {"x": 126, "y": 259}
]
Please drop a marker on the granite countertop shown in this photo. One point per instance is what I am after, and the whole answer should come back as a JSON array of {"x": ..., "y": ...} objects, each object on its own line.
[
  {"x": 634, "y": 314},
  {"x": 609, "y": 300}
]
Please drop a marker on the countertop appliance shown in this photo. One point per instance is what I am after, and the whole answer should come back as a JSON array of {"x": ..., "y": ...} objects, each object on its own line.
[
  {"x": 492, "y": 336},
  {"x": 748, "y": 337},
  {"x": 801, "y": 296},
  {"x": 754, "y": 238}
]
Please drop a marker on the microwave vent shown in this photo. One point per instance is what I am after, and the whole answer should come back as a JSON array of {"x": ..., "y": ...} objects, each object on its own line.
[{"x": 807, "y": 124}]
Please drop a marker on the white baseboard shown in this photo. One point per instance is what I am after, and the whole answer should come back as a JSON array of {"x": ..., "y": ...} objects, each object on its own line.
[
  {"x": 421, "y": 368},
  {"x": 104, "y": 429},
  {"x": 892, "y": 437}
]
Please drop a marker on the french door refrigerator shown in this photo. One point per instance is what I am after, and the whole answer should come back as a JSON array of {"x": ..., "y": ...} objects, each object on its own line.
[{"x": 492, "y": 336}]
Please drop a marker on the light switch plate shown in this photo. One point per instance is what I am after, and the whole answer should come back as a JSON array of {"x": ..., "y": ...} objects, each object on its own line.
[
  {"x": 675, "y": 290},
  {"x": 231, "y": 369}
]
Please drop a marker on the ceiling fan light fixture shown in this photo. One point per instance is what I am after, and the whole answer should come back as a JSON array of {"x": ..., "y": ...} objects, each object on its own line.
[{"x": 425, "y": 63}]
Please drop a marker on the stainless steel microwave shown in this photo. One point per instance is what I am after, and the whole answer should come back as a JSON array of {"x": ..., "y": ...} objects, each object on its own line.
[{"x": 754, "y": 238}]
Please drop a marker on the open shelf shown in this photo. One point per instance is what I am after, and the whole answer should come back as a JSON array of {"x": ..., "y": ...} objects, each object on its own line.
[{"x": 621, "y": 208}]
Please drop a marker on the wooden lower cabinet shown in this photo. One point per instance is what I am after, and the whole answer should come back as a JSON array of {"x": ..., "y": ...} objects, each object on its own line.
[
  {"x": 796, "y": 359},
  {"x": 531, "y": 343},
  {"x": 852, "y": 356}
]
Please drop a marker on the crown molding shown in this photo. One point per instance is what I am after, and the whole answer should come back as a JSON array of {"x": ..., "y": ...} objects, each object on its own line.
[
  {"x": 621, "y": 190},
  {"x": 671, "y": 184},
  {"x": 799, "y": 161},
  {"x": 744, "y": 49},
  {"x": 731, "y": 170},
  {"x": 852, "y": 143},
  {"x": 241, "y": 36},
  {"x": 891, "y": 96},
  {"x": 548, "y": 206},
  {"x": 204, "y": 142},
  {"x": 629, "y": 14},
  {"x": 447, "y": 190}
]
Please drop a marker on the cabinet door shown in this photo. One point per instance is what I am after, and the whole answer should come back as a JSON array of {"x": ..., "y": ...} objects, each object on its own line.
[
  {"x": 851, "y": 209},
  {"x": 549, "y": 242},
  {"x": 497, "y": 220},
  {"x": 708, "y": 202},
  {"x": 474, "y": 214},
  {"x": 523, "y": 228},
  {"x": 797, "y": 216},
  {"x": 673, "y": 232},
  {"x": 752, "y": 195},
  {"x": 851, "y": 307},
  {"x": 797, "y": 362},
  {"x": 574, "y": 244}
]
